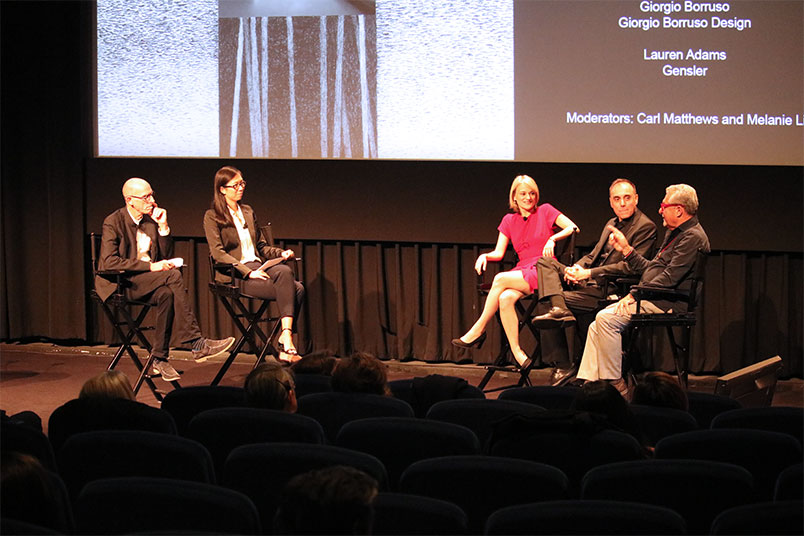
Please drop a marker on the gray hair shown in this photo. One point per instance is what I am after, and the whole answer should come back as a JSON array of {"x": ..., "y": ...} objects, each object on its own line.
[{"x": 685, "y": 195}]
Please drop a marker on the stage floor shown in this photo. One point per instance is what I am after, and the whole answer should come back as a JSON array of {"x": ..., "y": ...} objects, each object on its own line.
[{"x": 42, "y": 376}]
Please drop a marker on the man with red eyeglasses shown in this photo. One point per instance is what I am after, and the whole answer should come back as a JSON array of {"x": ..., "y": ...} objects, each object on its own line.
[
  {"x": 670, "y": 268},
  {"x": 136, "y": 238}
]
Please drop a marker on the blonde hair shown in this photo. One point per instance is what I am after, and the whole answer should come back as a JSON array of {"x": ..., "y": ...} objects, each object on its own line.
[
  {"x": 521, "y": 180},
  {"x": 108, "y": 384}
]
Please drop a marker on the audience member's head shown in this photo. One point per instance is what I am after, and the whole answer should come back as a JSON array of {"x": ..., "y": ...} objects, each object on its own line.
[
  {"x": 25, "y": 418},
  {"x": 334, "y": 500},
  {"x": 108, "y": 384},
  {"x": 602, "y": 398},
  {"x": 322, "y": 362},
  {"x": 660, "y": 389},
  {"x": 271, "y": 386},
  {"x": 361, "y": 373},
  {"x": 27, "y": 491}
]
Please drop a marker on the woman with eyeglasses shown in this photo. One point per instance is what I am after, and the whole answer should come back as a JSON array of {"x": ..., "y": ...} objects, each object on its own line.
[{"x": 234, "y": 237}]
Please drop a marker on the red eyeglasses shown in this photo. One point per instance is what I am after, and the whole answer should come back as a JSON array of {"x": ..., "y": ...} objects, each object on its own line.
[{"x": 663, "y": 206}]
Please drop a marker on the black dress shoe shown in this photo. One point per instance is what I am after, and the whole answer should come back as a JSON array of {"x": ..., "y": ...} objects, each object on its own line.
[
  {"x": 561, "y": 376},
  {"x": 477, "y": 343},
  {"x": 554, "y": 318}
]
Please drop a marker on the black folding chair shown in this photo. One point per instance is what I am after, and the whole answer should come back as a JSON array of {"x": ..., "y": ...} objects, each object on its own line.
[
  {"x": 246, "y": 318},
  {"x": 525, "y": 308},
  {"x": 127, "y": 325},
  {"x": 683, "y": 319}
]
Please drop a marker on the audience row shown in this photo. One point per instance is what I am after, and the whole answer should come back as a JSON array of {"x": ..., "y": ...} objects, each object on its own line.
[{"x": 241, "y": 438}]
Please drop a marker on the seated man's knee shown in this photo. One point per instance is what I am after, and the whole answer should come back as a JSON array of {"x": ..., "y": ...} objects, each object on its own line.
[
  {"x": 300, "y": 291},
  {"x": 173, "y": 277},
  {"x": 282, "y": 271},
  {"x": 163, "y": 294},
  {"x": 546, "y": 262},
  {"x": 608, "y": 318}
]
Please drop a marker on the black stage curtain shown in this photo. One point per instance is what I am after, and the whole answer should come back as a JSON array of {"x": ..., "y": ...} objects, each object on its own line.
[
  {"x": 408, "y": 300},
  {"x": 44, "y": 144}
]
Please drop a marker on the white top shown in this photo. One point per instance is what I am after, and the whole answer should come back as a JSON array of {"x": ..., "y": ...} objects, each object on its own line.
[{"x": 247, "y": 251}]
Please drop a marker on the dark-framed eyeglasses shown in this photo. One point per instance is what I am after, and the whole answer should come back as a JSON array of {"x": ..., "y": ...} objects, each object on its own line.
[
  {"x": 145, "y": 197},
  {"x": 237, "y": 186},
  {"x": 663, "y": 206}
]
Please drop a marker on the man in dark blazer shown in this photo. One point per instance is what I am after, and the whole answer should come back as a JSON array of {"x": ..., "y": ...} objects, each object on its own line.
[
  {"x": 671, "y": 268},
  {"x": 136, "y": 238},
  {"x": 578, "y": 289}
]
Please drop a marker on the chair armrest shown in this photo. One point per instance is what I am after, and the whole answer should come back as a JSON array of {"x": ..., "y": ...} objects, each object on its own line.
[
  {"x": 226, "y": 268},
  {"x": 645, "y": 293},
  {"x": 116, "y": 276},
  {"x": 223, "y": 265},
  {"x": 113, "y": 273}
]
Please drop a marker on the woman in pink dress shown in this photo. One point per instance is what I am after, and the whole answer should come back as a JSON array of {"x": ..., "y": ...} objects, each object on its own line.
[{"x": 531, "y": 229}]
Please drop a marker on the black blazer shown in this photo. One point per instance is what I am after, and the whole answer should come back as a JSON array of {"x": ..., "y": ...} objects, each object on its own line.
[
  {"x": 640, "y": 233},
  {"x": 118, "y": 249},
  {"x": 224, "y": 242}
]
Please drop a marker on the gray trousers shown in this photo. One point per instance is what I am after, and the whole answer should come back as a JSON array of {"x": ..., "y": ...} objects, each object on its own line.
[{"x": 603, "y": 353}]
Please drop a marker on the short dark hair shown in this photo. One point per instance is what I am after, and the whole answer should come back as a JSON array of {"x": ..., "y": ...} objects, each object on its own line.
[
  {"x": 268, "y": 386},
  {"x": 28, "y": 491},
  {"x": 334, "y": 500},
  {"x": 360, "y": 373},
  {"x": 602, "y": 398},
  {"x": 322, "y": 362},
  {"x": 660, "y": 389},
  {"x": 617, "y": 181}
]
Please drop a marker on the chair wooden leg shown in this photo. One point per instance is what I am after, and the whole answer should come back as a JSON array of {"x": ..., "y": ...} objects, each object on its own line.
[
  {"x": 250, "y": 332},
  {"x": 680, "y": 359},
  {"x": 268, "y": 347},
  {"x": 489, "y": 373},
  {"x": 134, "y": 330}
]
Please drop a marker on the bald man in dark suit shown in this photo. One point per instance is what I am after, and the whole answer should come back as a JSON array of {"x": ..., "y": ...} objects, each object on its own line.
[{"x": 136, "y": 238}]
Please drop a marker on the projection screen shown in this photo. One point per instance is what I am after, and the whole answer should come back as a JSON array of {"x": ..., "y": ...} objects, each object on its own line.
[{"x": 678, "y": 82}]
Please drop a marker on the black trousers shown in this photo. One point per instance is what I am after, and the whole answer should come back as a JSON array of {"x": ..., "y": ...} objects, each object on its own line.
[
  {"x": 582, "y": 299},
  {"x": 282, "y": 287},
  {"x": 173, "y": 311}
]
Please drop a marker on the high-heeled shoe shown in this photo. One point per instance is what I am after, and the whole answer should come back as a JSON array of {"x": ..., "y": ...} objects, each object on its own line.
[
  {"x": 286, "y": 353},
  {"x": 477, "y": 343},
  {"x": 524, "y": 365}
]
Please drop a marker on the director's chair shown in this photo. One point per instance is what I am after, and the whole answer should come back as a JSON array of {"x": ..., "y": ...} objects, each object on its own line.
[
  {"x": 525, "y": 308},
  {"x": 128, "y": 327},
  {"x": 240, "y": 307},
  {"x": 686, "y": 320}
]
